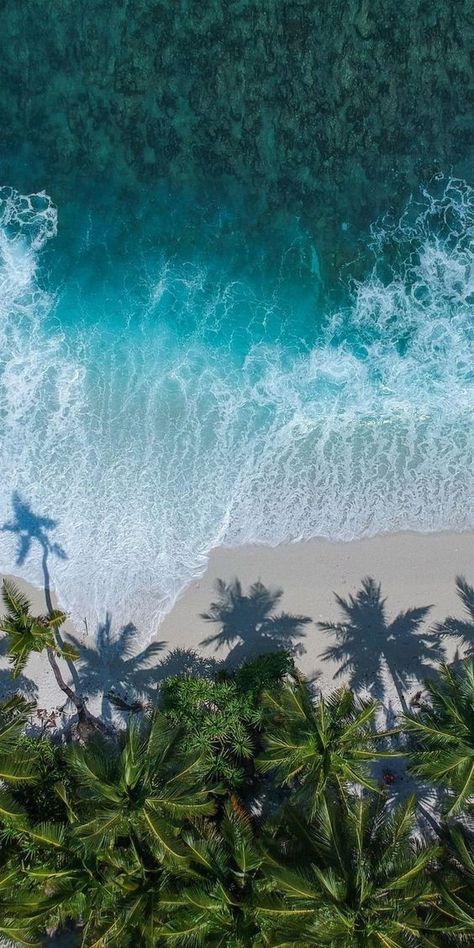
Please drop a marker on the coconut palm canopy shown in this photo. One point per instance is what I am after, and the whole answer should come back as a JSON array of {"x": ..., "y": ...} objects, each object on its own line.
[{"x": 443, "y": 735}]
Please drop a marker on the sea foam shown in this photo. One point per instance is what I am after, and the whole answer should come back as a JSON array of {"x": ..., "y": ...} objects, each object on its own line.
[{"x": 150, "y": 442}]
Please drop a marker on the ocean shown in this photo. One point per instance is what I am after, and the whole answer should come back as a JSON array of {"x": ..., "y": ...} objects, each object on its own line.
[{"x": 202, "y": 345}]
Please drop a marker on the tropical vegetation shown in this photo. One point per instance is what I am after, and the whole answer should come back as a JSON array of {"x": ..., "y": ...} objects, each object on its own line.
[
  {"x": 314, "y": 745},
  {"x": 443, "y": 729},
  {"x": 244, "y": 807}
]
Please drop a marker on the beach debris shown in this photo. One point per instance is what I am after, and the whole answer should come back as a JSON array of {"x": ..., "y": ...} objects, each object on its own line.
[{"x": 49, "y": 719}]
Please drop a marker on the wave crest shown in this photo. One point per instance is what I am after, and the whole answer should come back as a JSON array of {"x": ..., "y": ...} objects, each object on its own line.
[{"x": 152, "y": 444}]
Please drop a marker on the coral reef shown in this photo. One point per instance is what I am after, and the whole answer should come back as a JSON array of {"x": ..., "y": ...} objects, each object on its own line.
[{"x": 326, "y": 107}]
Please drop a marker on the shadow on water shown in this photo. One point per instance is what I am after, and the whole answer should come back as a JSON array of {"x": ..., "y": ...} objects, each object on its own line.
[
  {"x": 248, "y": 625},
  {"x": 462, "y": 629},
  {"x": 367, "y": 643},
  {"x": 111, "y": 666},
  {"x": 31, "y": 528}
]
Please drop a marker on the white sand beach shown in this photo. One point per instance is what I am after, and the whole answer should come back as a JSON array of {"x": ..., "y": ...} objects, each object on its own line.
[{"x": 414, "y": 570}]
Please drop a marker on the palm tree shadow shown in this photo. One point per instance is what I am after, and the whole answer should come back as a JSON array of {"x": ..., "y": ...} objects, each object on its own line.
[
  {"x": 31, "y": 528},
  {"x": 368, "y": 644},
  {"x": 8, "y": 685},
  {"x": 112, "y": 669},
  {"x": 462, "y": 630},
  {"x": 248, "y": 626},
  {"x": 186, "y": 662}
]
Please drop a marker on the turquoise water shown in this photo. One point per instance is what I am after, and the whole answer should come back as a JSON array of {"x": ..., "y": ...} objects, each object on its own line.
[{"x": 216, "y": 357}]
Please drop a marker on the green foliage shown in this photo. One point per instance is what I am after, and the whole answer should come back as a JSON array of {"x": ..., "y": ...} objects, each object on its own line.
[
  {"x": 220, "y": 722},
  {"x": 264, "y": 672},
  {"x": 27, "y": 633},
  {"x": 353, "y": 877},
  {"x": 222, "y": 717},
  {"x": 443, "y": 733},
  {"x": 313, "y": 745},
  {"x": 455, "y": 884},
  {"x": 52, "y": 770},
  {"x": 120, "y": 895},
  {"x": 16, "y": 765},
  {"x": 221, "y": 907},
  {"x": 117, "y": 858},
  {"x": 122, "y": 839},
  {"x": 145, "y": 789}
]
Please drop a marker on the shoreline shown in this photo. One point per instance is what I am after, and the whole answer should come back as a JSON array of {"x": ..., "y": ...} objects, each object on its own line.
[{"x": 415, "y": 570}]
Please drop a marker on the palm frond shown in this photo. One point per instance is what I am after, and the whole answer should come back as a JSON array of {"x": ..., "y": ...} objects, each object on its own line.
[{"x": 15, "y": 602}]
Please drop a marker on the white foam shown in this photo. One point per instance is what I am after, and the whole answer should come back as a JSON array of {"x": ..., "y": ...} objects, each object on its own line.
[{"x": 148, "y": 450}]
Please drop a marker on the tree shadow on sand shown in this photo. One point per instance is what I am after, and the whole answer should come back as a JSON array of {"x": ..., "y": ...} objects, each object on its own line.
[
  {"x": 31, "y": 528},
  {"x": 462, "y": 629},
  {"x": 248, "y": 625},
  {"x": 367, "y": 643},
  {"x": 8, "y": 685},
  {"x": 112, "y": 667},
  {"x": 186, "y": 662}
]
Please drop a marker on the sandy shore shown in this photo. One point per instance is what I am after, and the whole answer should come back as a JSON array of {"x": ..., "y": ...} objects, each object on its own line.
[{"x": 414, "y": 570}]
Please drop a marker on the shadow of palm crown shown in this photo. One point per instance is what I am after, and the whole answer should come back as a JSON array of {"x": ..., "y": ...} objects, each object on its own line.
[
  {"x": 461, "y": 629},
  {"x": 367, "y": 642},
  {"x": 248, "y": 624}
]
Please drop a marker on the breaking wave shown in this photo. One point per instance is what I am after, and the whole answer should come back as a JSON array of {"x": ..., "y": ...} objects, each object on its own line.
[{"x": 153, "y": 439}]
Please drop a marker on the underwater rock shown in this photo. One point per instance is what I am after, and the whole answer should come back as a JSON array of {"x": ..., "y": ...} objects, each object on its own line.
[{"x": 291, "y": 100}]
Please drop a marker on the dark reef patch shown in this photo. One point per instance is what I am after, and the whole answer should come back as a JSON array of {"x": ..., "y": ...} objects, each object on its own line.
[{"x": 325, "y": 108}]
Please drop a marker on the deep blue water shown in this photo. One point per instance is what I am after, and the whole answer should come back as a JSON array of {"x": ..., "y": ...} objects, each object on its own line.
[{"x": 184, "y": 364}]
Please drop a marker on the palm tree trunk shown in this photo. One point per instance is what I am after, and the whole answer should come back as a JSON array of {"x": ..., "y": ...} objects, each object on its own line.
[
  {"x": 83, "y": 714},
  {"x": 49, "y": 606},
  {"x": 79, "y": 702}
]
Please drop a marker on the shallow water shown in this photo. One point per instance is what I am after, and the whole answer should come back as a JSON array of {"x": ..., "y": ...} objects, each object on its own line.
[{"x": 209, "y": 342}]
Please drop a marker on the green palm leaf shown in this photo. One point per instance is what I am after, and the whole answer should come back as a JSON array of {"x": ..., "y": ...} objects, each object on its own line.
[
  {"x": 358, "y": 878},
  {"x": 14, "y": 600},
  {"x": 443, "y": 735},
  {"x": 314, "y": 745},
  {"x": 15, "y": 767},
  {"x": 26, "y": 633},
  {"x": 145, "y": 789}
]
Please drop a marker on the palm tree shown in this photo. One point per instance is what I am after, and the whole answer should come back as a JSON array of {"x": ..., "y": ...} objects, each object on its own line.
[
  {"x": 443, "y": 730},
  {"x": 353, "y": 878},
  {"x": 367, "y": 643},
  {"x": 14, "y": 929},
  {"x": 220, "y": 909},
  {"x": 15, "y": 766},
  {"x": 318, "y": 745},
  {"x": 455, "y": 882},
  {"x": 118, "y": 865},
  {"x": 142, "y": 790},
  {"x": 14, "y": 713},
  {"x": 28, "y": 633},
  {"x": 119, "y": 896},
  {"x": 129, "y": 900}
]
